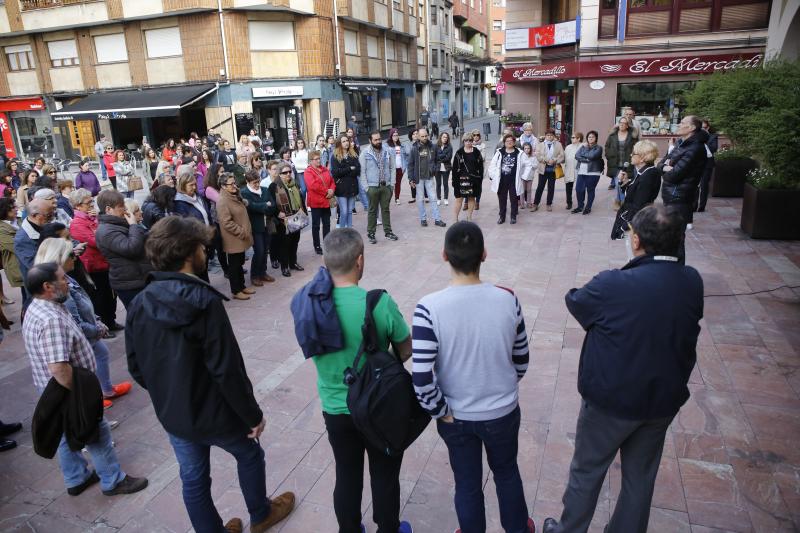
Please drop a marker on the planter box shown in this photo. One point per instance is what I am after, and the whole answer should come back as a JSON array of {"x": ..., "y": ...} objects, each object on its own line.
[
  {"x": 730, "y": 176},
  {"x": 771, "y": 213}
]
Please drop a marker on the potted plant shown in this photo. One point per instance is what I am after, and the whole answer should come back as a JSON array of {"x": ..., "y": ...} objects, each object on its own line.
[
  {"x": 759, "y": 110},
  {"x": 731, "y": 166}
]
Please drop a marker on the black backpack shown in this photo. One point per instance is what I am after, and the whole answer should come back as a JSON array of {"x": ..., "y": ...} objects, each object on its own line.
[{"x": 381, "y": 397}]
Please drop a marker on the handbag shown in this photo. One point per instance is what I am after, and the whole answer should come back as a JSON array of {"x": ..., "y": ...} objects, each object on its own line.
[
  {"x": 559, "y": 170},
  {"x": 105, "y": 184},
  {"x": 135, "y": 183},
  {"x": 332, "y": 201},
  {"x": 296, "y": 222}
]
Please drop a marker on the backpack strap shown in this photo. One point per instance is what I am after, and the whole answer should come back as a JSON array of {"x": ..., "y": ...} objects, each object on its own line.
[{"x": 369, "y": 333}]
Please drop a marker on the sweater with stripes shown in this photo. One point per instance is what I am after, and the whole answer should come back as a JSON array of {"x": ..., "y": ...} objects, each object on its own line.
[{"x": 470, "y": 348}]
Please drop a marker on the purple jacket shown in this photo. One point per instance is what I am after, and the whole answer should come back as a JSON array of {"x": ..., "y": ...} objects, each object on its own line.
[{"x": 88, "y": 180}]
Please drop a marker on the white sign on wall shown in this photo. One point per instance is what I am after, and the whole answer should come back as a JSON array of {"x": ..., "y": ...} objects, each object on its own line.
[{"x": 271, "y": 92}]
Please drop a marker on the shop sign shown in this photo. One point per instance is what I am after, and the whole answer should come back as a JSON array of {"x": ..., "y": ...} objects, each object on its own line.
[
  {"x": 542, "y": 36},
  {"x": 272, "y": 92},
  {"x": 7, "y": 140},
  {"x": 501, "y": 88},
  {"x": 22, "y": 104},
  {"x": 649, "y": 66}
]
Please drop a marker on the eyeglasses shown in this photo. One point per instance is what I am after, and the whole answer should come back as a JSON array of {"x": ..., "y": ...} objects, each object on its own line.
[
  {"x": 231, "y": 184},
  {"x": 49, "y": 172},
  {"x": 315, "y": 158},
  {"x": 286, "y": 172}
]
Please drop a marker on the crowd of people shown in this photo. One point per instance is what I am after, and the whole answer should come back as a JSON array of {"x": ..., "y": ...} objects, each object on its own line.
[{"x": 78, "y": 246}]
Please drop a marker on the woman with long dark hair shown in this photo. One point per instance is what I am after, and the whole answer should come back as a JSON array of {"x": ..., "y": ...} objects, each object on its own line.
[
  {"x": 444, "y": 158},
  {"x": 345, "y": 169},
  {"x": 212, "y": 195},
  {"x": 590, "y": 166}
]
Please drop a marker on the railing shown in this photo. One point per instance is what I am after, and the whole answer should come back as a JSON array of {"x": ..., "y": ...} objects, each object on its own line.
[
  {"x": 28, "y": 5},
  {"x": 463, "y": 49}
]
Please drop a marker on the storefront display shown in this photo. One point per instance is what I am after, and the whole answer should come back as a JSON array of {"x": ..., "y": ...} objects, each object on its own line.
[{"x": 659, "y": 107}]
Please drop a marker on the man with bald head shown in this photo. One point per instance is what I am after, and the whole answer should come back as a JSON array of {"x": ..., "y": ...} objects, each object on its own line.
[{"x": 40, "y": 212}]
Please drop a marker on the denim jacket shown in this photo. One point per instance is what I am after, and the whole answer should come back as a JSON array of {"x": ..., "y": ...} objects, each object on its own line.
[
  {"x": 593, "y": 156},
  {"x": 370, "y": 173}
]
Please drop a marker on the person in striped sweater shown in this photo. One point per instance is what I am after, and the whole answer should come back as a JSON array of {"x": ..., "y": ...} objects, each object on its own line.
[{"x": 468, "y": 360}]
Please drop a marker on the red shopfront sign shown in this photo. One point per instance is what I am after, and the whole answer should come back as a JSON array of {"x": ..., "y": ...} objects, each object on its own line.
[
  {"x": 631, "y": 67},
  {"x": 7, "y": 140},
  {"x": 22, "y": 104}
]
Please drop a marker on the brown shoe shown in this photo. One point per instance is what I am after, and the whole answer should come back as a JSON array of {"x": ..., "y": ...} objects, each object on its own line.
[
  {"x": 549, "y": 207},
  {"x": 249, "y": 290},
  {"x": 240, "y": 296},
  {"x": 281, "y": 507},
  {"x": 234, "y": 525},
  {"x": 267, "y": 278},
  {"x": 257, "y": 282}
]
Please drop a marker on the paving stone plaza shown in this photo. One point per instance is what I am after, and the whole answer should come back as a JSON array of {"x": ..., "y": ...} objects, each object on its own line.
[{"x": 731, "y": 460}]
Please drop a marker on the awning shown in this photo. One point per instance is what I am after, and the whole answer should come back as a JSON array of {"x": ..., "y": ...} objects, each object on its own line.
[
  {"x": 22, "y": 104},
  {"x": 162, "y": 102}
]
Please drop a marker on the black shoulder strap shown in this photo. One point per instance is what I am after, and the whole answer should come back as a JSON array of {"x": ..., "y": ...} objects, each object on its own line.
[{"x": 369, "y": 333}]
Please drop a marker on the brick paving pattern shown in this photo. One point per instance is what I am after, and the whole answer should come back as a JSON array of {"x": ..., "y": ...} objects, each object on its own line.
[{"x": 731, "y": 460}]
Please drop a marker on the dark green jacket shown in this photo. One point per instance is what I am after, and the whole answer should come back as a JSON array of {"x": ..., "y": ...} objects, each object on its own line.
[{"x": 259, "y": 208}]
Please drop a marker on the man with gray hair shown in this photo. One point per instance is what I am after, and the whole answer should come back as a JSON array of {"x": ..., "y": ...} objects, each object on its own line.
[
  {"x": 421, "y": 172},
  {"x": 344, "y": 259},
  {"x": 51, "y": 196},
  {"x": 26, "y": 242}
]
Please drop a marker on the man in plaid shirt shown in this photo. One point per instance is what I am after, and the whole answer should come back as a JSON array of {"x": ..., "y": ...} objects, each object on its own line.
[{"x": 55, "y": 344}]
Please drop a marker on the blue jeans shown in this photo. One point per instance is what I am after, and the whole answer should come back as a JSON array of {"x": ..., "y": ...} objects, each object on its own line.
[
  {"x": 75, "y": 469},
  {"x": 465, "y": 441},
  {"x": 195, "y": 470},
  {"x": 362, "y": 197},
  {"x": 258, "y": 265},
  {"x": 128, "y": 194},
  {"x": 586, "y": 185},
  {"x": 301, "y": 180},
  {"x": 346, "y": 206},
  {"x": 429, "y": 186},
  {"x": 103, "y": 371}
]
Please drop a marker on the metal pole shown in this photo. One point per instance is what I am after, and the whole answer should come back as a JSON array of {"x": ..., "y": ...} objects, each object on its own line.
[{"x": 461, "y": 98}]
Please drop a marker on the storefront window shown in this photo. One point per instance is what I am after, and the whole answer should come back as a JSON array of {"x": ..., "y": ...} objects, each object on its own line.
[
  {"x": 34, "y": 134},
  {"x": 659, "y": 107}
]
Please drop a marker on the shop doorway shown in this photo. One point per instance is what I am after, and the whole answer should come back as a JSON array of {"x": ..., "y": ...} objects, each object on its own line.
[
  {"x": 399, "y": 117},
  {"x": 281, "y": 119},
  {"x": 560, "y": 105},
  {"x": 81, "y": 135}
]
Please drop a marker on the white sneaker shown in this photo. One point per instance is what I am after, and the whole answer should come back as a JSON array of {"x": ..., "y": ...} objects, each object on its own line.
[
  {"x": 447, "y": 202},
  {"x": 438, "y": 202},
  {"x": 689, "y": 226}
]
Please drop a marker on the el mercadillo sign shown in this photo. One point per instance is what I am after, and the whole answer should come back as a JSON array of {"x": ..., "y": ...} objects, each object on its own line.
[{"x": 632, "y": 67}]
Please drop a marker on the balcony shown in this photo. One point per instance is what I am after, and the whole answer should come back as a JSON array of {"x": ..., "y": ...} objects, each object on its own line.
[
  {"x": 460, "y": 48},
  {"x": 29, "y": 5}
]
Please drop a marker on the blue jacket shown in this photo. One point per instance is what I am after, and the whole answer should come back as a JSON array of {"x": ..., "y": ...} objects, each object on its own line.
[
  {"x": 593, "y": 156},
  {"x": 370, "y": 172},
  {"x": 642, "y": 324},
  {"x": 316, "y": 324},
  {"x": 26, "y": 242}
]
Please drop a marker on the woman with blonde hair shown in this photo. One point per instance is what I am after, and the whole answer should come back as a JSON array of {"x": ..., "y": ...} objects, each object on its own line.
[
  {"x": 467, "y": 175},
  {"x": 345, "y": 170},
  {"x": 641, "y": 188},
  {"x": 79, "y": 305},
  {"x": 571, "y": 164},
  {"x": 123, "y": 171},
  {"x": 244, "y": 150}
]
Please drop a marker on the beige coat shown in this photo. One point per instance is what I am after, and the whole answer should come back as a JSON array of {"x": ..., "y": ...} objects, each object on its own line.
[
  {"x": 541, "y": 154},
  {"x": 234, "y": 224}
]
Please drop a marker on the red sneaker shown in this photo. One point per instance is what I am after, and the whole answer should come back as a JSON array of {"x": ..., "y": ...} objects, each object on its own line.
[
  {"x": 107, "y": 403},
  {"x": 120, "y": 389}
]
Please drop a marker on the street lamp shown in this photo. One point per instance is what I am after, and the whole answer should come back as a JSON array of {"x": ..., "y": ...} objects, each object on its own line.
[{"x": 498, "y": 69}]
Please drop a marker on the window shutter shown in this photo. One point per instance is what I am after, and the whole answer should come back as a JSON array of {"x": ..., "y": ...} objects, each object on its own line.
[
  {"x": 390, "y": 50},
  {"x": 163, "y": 42},
  {"x": 271, "y": 35},
  {"x": 695, "y": 19},
  {"x": 110, "y": 48},
  {"x": 18, "y": 48},
  {"x": 372, "y": 46},
  {"x": 350, "y": 42},
  {"x": 745, "y": 16},
  {"x": 62, "y": 49}
]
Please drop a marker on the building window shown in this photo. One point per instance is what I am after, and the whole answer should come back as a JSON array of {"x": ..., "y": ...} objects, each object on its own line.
[
  {"x": 271, "y": 35},
  {"x": 420, "y": 55},
  {"x": 434, "y": 18},
  {"x": 497, "y": 25},
  {"x": 435, "y": 58},
  {"x": 163, "y": 42},
  {"x": 372, "y": 46},
  {"x": 659, "y": 107},
  {"x": 20, "y": 57},
  {"x": 390, "y": 55},
  {"x": 664, "y": 17},
  {"x": 403, "y": 52},
  {"x": 480, "y": 6},
  {"x": 446, "y": 24},
  {"x": 411, "y": 8},
  {"x": 110, "y": 48},
  {"x": 397, "y": 5},
  {"x": 63, "y": 53},
  {"x": 497, "y": 49},
  {"x": 499, "y": 3},
  {"x": 351, "y": 42}
]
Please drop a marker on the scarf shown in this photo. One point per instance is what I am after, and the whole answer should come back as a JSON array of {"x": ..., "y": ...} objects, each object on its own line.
[{"x": 294, "y": 195}]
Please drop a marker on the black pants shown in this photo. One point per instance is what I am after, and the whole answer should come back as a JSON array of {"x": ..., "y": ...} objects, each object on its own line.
[
  {"x": 236, "y": 272},
  {"x": 221, "y": 255},
  {"x": 569, "y": 186},
  {"x": 685, "y": 212},
  {"x": 549, "y": 178},
  {"x": 442, "y": 181},
  {"x": 318, "y": 214},
  {"x": 126, "y": 296},
  {"x": 705, "y": 181},
  {"x": 104, "y": 299},
  {"x": 598, "y": 437},
  {"x": 284, "y": 246},
  {"x": 348, "y": 453},
  {"x": 507, "y": 190}
]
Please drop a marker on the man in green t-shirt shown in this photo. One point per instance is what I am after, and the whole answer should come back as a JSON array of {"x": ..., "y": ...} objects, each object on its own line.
[{"x": 344, "y": 259}]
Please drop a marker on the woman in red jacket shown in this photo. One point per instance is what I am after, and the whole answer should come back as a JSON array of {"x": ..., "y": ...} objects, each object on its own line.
[
  {"x": 108, "y": 162},
  {"x": 82, "y": 229},
  {"x": 320, "y": 186}
]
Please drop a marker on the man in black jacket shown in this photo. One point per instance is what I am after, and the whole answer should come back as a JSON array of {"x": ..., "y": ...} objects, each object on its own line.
[
  {"x": 681, "y": 171},
  {"x": 182, "y": 349},
  {"x": 642, "y": 323}
]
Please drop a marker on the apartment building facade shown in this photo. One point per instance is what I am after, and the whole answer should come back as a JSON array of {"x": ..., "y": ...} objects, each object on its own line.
[
  {"x": 155, "y": 69},
  {"x": 470, "y": 55},
  {"x": 497, "y": 51},
  {"x": 574, "y": 65}
]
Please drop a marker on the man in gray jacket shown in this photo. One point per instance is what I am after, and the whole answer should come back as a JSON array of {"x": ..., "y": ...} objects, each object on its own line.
[
  {"x": 421, "y": 172},
  {"x": 377, "y": 177}
]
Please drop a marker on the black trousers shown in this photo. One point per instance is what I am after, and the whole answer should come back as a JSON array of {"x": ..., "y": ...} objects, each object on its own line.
[
  {"x": 598, "y": 437},
  {"x": 705, "y": 181},
  {"x": 284, "y": 246},
  {"x": 320, "y": 214},
  {"x": 217, "y": 244},
  {"x": 103, "y": 298},
  {"x": 236, "y": 272},
  {"x": 569, "y": 186},
  {"x": 548, "y": 178},
  {"x": 348, "y": 447},
  {"x": 507, "y": 190},
  {"x": 442, "y": 181},
  {"x": 685, "y": 212}
]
